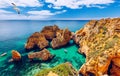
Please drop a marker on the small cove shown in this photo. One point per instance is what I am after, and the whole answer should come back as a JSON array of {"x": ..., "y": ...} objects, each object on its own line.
[{"x": 27, "y": 68}]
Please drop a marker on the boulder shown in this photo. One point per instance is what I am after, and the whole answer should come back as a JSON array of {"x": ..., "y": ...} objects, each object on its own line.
[
  {"x": 16, "y": 55},
  {"x": 43, "y": 55},
  {"x": 50, "y": 31},
  {"x": 62, "y": 38},
  {"x": 36, "y": 40}
]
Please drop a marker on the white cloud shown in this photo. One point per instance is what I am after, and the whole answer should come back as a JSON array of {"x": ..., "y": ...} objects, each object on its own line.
[
  {"x": 55, "y": 7},
  {"x": 46, "y": 12},
  {"x": 96, "y": 6},
  {"x": 59, "y": 12},
  {"x": 22, "y": 17},
  {"x": 32, "y": 15},
  {"x": 74, "y": 4},
  {"x": 43, "y": 12},
  {"x": 50, "y": 6},
  {"x": 22, "y": 3}
]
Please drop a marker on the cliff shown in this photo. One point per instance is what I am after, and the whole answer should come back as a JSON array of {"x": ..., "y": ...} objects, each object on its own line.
[
  {"x": 100, "y": 42},
  {"x": 50, "y": 31},
  {"x": 36, "y": 40},
  {"x": 62, "y": 38}
]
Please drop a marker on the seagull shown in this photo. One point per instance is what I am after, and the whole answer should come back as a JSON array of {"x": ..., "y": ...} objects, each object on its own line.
[{"x": 16, "y": 8}]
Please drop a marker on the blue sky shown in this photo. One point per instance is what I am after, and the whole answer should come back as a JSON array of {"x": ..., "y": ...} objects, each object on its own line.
[{"x": 59, "y": 9}]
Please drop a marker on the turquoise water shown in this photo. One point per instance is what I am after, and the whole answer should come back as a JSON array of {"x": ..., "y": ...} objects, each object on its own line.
[{"x": 14, "y": 34}]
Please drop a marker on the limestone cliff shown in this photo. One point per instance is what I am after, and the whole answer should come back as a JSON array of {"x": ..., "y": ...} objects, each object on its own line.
[
  {"x": 100, "y": 42},
  {"x": 62, "y": 38},
  {"x": 50, "y": 31},
  {"x": 36, "y": 40}
]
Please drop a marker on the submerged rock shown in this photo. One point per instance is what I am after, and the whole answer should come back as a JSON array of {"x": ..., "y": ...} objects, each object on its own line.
[
  {"x": 100, "y": 42},
  {"x": 36, "y": 40},
  {"x": 62, "y": 38},
  {"x": 43, "y": 55},
  {"x": 64, "y": 69},
  {"x": 16, "y": 55},
  {"x": 50, "y": 31}
]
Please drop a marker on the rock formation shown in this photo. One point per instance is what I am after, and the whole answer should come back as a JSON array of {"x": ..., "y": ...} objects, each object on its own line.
[
  {"x": 36, "y": 40},
  {"x": 50, "y": 31},
  {"x": 62, "y": 38},
  {"x": 16, "y": 55},
  {"x": 100, "y": 42},
  {"x": 64, "y": 69},
  {"x": 43, "y": 55},
  {"x": 52, "y": 74}
]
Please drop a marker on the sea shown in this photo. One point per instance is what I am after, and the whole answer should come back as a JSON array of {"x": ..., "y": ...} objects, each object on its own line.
[{"x": 14, "y": 35}]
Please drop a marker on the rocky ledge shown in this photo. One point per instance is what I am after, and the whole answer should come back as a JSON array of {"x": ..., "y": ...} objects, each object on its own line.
[
  {"x": 100, "y": 42},
  {"x": 62, "y": 38},
  {"x": 42, "y": 55}
]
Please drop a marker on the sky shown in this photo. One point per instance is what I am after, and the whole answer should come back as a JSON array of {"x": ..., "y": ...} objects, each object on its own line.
[{"x": 59, "y": 9}]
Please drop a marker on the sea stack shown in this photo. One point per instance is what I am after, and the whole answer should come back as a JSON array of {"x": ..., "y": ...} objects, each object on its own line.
[
  {"x": 36, "y": 40},
  {"x": 16, "y": 55},
  {"x": 99, "y": 40},
  {"x": 62, "y": 38},
  {"x": 50, "y": 31}
]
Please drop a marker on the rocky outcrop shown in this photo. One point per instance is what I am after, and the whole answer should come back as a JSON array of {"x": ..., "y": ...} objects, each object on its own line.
[
  {"x": 100, "y": 42},
  {"x": 50, "y": 31},
  {"x": 36, "y": 40},
  {"x": 62, "y": 38},
  {"x": 16, "y": 55},
  {"x": 42, "y": 55},
  {"x": 115, "y": 71},
  {"x": 52, "y": 74},
  {"x": 64, "y": 69}
]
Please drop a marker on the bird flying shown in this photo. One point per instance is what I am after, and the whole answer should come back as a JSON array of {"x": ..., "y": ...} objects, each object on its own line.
[{"x": 16, "y": 8}]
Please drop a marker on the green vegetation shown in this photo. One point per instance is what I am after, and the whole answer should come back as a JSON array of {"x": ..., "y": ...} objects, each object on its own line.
[
  {"x": 62, "y": 70},
  {"x": 105, "y": 28},
  {"x": 112, "y": 42},
  {"x": 102, "y": 44}
]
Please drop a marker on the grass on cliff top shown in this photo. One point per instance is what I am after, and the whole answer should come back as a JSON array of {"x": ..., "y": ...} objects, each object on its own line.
[
  {"x": 62, "y": 70},
  {"x": 109, "y": 43}
]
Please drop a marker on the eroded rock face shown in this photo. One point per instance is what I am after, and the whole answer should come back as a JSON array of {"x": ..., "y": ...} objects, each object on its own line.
[
  {"x": 100, "y": 42},
  {"x": 43, "y": 55},
  {"x": 16, "y": 55},
  {"x": 115, "y": 71},
  {"x": 36, "y": 40},
  {"x": 50, "y": 31},
  {"x": 62, "y": 38}
]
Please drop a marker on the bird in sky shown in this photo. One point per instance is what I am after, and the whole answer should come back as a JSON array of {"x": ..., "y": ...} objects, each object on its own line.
[{"x": 16, "y": 8}]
